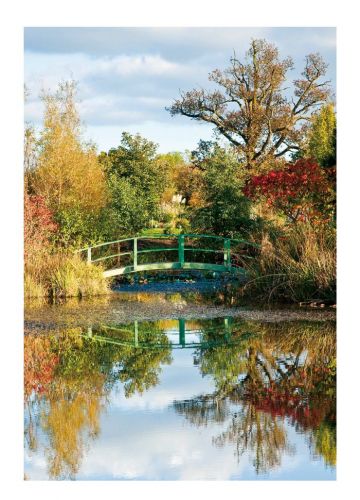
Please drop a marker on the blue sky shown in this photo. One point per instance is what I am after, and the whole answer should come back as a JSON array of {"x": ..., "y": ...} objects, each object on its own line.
[{"x": 127, "y": 76}]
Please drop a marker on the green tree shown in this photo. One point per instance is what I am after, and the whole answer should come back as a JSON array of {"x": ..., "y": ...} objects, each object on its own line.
[
  {"x": 223, "y": 210},
  {"x": 129, "y": 209},
  {"x": 135, "y": 181},
  {"x": 322, "y": 137}
]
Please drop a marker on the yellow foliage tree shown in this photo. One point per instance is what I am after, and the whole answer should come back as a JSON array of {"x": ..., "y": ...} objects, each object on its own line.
[
  {"x": 322, "y": 136},
  {"x": 68, "y": 173}
]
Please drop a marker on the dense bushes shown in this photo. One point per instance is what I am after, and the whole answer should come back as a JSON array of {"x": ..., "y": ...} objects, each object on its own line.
[
  {"x": 49, "y": 270},
  {"x": 301, "y": 191},
  {"x": 73, "y": 277},
  {"x": 222, "y": 209},
  {"x": 300, "y": 262}
]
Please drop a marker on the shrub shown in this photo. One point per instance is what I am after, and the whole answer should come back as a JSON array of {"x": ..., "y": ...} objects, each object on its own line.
[
  {"x": 39, "y": 227},
  {"x": 301, "y": 191}
]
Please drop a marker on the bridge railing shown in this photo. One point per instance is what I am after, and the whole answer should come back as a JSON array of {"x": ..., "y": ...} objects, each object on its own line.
[{"x": 182, "y": 250}]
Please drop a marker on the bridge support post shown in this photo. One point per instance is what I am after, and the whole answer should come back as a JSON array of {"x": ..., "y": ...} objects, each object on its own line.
[
  {"x": 88, "y": 260},
  {"x": 182, "y": 332},
  {"x": 135, "y": 254},
  {"x": 181, "y": 245},
  {"x": 227, "y": 253}
]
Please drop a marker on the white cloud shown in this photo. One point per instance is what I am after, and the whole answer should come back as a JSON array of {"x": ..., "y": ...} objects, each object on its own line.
[
  {"x": 123, "y": 90},
  {"x": 162, "y": 450},
  {"x": 138, "y": 65},
  {"x": 127, "y": 76}
]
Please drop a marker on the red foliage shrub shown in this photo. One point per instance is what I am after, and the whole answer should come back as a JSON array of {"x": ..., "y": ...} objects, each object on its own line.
[
  {"x": 38, "y": 224},
  {"x": 300, "y": 190}
]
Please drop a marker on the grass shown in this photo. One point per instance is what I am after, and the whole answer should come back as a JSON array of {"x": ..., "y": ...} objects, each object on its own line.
[
  {"x": 62, "y": 275},
  {"x": 299, "y": 266}
]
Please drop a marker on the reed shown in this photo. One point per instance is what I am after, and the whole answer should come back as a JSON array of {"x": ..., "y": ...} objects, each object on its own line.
[
  {"x": 33, "y": 288},
  {"x": 63, "y": 275},
  {"x": 299, "y": 266}
]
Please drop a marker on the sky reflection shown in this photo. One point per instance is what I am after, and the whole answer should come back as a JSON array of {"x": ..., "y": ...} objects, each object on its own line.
[{"x": 182, "y": 418}]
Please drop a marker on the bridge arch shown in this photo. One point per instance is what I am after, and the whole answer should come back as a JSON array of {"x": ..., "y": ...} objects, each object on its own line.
[{"x": 187, "y": 251}]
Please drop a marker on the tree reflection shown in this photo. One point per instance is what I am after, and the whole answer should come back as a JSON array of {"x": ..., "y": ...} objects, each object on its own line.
[
  {"x": 68, "y": 378},
  {"x": 71, "y": 421},
  {"x": 203, "y": 410},
  {"x": 285, "y": 372},
  {"x": 258, "y": 433},
  {"x": 39, "y": 366},
  {"x": 139, "y": 369}
]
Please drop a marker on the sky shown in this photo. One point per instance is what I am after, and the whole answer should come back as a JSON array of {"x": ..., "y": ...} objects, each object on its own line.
[{"x": 128, "y": 76}]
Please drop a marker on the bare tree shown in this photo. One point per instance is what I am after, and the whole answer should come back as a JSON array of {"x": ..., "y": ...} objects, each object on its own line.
[{"x": 251, "y": 108}]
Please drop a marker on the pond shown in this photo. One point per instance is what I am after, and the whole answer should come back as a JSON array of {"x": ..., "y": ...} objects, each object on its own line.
[{"x": 178, "y": 385}]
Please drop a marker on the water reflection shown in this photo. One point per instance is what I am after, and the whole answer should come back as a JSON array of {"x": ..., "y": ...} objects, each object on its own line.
[
  {"x": 181, "y": 333},
  {"x": 287, "y": 372},
  {"x": 263, "y": 381}
]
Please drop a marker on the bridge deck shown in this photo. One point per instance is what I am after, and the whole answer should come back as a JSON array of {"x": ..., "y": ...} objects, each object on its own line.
[{"x": 160, "y": 266}]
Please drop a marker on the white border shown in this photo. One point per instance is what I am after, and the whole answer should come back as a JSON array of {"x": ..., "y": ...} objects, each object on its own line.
[{"x": 185, "y": 13}]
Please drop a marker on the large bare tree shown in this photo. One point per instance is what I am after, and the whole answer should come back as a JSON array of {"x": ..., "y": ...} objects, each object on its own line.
[{"x": 252, "y": 107}]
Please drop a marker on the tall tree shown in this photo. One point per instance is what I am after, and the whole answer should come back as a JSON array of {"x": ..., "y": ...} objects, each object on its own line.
[
  {"x": 68, "y": 173},
  {"x": 251, "y": 108}
]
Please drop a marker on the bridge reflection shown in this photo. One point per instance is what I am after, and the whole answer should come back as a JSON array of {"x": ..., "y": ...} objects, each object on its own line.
[{"x": 179, "y": 334}]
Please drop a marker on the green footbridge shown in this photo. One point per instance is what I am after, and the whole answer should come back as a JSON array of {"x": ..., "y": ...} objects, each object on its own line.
[{"x": 200, "y": 252}]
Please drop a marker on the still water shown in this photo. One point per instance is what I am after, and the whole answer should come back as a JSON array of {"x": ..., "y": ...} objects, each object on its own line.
[{"x": 173, "y": 387}]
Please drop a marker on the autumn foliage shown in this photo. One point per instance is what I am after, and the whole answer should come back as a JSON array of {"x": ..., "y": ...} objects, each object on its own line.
[
  {"x": 39, "y": 364},
  {"x": 299, "y": 190},
  {"x": 300, "y": 398},
  {"x": 39, "y": 224}
]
